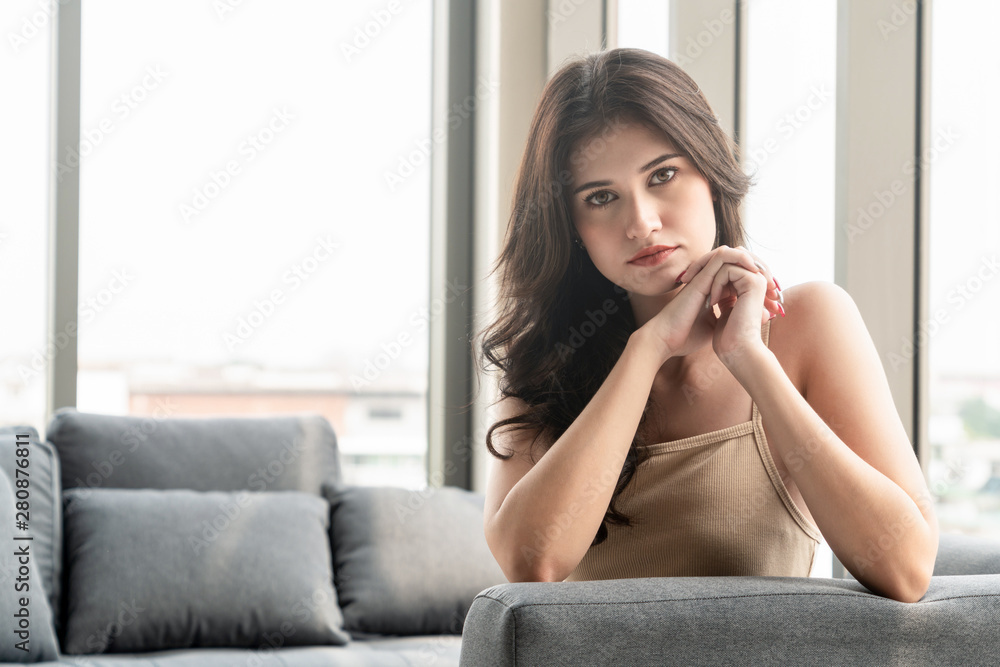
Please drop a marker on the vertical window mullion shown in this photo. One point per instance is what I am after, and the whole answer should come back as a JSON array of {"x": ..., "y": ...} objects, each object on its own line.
[{"x": 64, "y": 210}]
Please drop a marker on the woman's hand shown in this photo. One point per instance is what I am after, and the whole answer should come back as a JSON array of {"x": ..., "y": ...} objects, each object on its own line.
[
  {"x": 683, "y": 325},
  {"x": 722, "y": 277},
  {"x": 746, "y": 293}
]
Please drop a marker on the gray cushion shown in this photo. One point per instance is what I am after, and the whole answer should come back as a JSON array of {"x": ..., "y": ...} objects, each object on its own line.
[
  {"x": 967, "y": 554},
  {"x": 20, "y": 582},
  {"x": 732, "y": 621},
  {"x": 296, "y": 453},
  {"x": 46, "y": 507},
  {"x": 426, "y": 651},
  {"x": 150, "y": 570},
  {"x": 408, "y": 562}
]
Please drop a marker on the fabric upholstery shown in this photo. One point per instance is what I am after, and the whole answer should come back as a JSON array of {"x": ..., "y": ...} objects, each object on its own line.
[
  {"x": 293, "y": 453},
  {"x": 731, "y": 620},
  {"x": 20, "y": 582},
  {"x": 429, "y": 651},
  {"x": 967, "y": 554},
  {"x": 151, "y": 570},
  {"x": 408, "y": 562}
]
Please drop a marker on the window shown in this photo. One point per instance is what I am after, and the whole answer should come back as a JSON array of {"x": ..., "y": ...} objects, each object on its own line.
[
  {"x": 255, "y": 214},
  {"x": 789, "y": 147},
  {"x": 25, "y": 348},
  {"x": 961, "y": 324},
  {"x": 645, "y": 24}
]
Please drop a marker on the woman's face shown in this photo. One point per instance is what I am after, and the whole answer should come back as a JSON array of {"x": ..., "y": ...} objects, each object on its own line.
[{"x": 632, "y": 190}]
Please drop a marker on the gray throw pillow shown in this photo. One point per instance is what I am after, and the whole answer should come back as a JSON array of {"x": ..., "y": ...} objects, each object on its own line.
[
  {"x": 25, "y": 615},
  {"x": 408, "y": 562},
  {"x": 161, "y": 569}
]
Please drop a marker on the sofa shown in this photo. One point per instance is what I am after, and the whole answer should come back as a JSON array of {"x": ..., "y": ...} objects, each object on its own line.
[
  {"x": 744, "y": 620},
  {"x": 228, "y": 541},
  {"x": 234, "y": 541}
]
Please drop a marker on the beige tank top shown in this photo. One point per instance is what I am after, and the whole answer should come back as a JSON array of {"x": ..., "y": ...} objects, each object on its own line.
[{"x": 707, "y": 505}]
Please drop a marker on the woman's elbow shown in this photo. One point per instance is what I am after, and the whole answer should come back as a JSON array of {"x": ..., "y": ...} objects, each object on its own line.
[
  {"x": 910, "y": 583},
  {"x": 523, "y": 565},
  {"x": 525, "y": 568}
]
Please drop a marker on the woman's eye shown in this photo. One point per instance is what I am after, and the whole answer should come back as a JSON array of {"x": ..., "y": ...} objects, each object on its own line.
[
  {"x": 664, "y": 175},
  {"x": 601, "y": 198}
]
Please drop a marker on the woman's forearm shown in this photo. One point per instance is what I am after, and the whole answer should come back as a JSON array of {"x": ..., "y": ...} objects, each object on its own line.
[
  {"x": 548, "y": 520},
  {"x": 879, "y": 532}
]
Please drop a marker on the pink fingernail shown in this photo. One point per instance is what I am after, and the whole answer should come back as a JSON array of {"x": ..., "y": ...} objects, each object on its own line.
[
  {"x": 781, "y": 310},
  {"x": 776, "y": 283},
  {"x": 679, "y": 277}
]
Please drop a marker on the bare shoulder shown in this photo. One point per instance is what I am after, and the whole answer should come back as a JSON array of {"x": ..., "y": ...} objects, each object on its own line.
[{"x": 816, "y": 313}]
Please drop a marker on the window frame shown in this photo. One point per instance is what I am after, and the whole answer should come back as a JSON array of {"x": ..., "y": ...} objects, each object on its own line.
[{"x": 472, "y": 174}]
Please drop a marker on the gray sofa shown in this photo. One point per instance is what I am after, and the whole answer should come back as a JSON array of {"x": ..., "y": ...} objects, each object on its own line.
[
  {"x": 744, "y": 620},
  {"x": 224, "y": 541},
  {"x": 121, "y": 507}
]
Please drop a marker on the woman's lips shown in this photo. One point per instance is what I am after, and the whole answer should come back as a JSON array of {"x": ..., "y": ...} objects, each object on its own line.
[{"x": 654, "y": 259}]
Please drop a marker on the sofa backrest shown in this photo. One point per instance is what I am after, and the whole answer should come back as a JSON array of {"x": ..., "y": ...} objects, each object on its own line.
[{"x": 273, "y": 453}]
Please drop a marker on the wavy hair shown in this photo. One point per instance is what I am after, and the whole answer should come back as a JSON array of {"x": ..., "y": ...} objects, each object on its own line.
[{"x": 561, "y": 325}]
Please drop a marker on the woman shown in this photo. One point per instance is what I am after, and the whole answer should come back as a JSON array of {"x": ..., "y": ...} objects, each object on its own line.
[{"x": 656, "y": 418}]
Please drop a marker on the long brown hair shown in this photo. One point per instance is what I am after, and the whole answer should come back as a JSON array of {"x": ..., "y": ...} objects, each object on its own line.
[{"x": 561, "y": 325}]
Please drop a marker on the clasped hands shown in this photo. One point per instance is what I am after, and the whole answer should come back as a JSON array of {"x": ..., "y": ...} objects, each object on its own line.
[{"x": 745, "y": 292}]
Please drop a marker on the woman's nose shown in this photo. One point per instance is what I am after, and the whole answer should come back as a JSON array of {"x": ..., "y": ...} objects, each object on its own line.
[{"x": 643, "y": 218}]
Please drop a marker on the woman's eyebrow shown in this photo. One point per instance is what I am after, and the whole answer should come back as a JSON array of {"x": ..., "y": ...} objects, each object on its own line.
[{"x": 646, "y": 167}]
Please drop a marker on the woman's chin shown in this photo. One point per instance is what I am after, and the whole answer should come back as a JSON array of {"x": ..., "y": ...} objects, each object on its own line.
[{"x": 654, "y": 291}]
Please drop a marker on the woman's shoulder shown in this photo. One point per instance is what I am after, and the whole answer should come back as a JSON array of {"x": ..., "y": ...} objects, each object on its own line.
[{"x": 815, "y": 312}]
